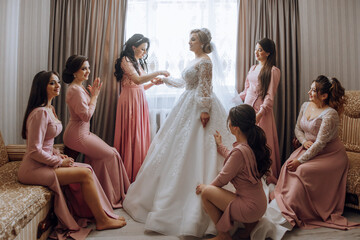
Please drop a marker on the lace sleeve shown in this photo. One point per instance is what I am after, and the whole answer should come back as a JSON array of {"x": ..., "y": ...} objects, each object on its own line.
[
  {"x": 299, "y": 133},
  {"x": 174, "y": 82},
  {"x": 204, "y": 89},
  {"x": 327, "y": 132}
]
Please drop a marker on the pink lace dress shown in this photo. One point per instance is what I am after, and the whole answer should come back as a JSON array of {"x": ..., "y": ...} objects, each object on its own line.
[
  {"x": 132, "y": 128},
  {"x": 37, "y": 167},
  {"x": 250, "y": 95},
  {"x": 314, "y": 195}
]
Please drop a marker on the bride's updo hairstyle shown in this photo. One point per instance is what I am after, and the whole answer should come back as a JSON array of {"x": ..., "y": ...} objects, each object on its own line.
[
  {"x": 73, "y": 64},
  {"x": 204, "y": 37},
  {"x": 244, "y": 117}
]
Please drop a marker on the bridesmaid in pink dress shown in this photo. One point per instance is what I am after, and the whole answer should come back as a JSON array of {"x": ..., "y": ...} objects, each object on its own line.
[
  {"x": 259, "y": 92},
  {"x": 132, "y": 128},
  {"x": 104, "y": 159},
  {"x": 244, "y": 166},
  {"x": 311, "y": 188},
  {"x": 44, "y": 165}
]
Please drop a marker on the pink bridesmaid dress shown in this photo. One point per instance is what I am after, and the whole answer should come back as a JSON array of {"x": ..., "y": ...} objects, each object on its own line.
[
  {"x": 240, "y": 169},
  {"x": 104, "y": 159},
  {"x": 314, "y": 195},
  {"x": 37, "y": 167},
  {"x": 250, "y": 95},
  {"x": 132, "y": 129}
]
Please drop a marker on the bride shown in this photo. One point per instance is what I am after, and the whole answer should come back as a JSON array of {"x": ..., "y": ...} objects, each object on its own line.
[{"x": 183, "y": 154}]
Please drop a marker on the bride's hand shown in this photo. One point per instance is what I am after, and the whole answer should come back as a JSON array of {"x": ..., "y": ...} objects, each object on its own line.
[
  {"x": 204, "y": 117},
  {"x": 157, "y": 81},
  {"x": 217, "y": 138},
  {"x": 200, "y": 188}
]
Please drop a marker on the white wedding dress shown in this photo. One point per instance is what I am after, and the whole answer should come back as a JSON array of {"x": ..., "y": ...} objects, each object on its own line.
[{"x": 182, "y": 155}]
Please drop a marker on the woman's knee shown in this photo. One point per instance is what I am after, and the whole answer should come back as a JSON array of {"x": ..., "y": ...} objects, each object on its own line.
[
  {"x": 207, "y": 192},
  {"x": 85, "y": 174}
]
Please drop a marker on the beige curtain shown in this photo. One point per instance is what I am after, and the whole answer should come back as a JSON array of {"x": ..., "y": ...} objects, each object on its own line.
[
  {"x": 24, "y": 39},
  {"x": 94, "y": 28},
  {"x": 279, "y": 21}
]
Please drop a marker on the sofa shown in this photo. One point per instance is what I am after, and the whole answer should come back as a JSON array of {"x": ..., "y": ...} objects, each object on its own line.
[
  {"x": 23, "y": 208},
  {"x": 349, "y": 133}
]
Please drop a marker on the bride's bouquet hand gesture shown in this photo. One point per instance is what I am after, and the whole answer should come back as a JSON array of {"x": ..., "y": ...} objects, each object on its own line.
[{"x": 95, "y": 88}]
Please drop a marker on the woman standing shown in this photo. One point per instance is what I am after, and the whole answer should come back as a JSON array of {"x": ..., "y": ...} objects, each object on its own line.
[
  {"x": 182, "y": 154},
  {"x": 44, "y": 165},
  {"x": 132, "y": 128},
  {"x": 104, "y": 159},
  {"x": 259, "y": 92}
]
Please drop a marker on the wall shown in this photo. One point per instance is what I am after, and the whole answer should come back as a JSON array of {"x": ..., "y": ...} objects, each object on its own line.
[{"x": 330, "y": 38}]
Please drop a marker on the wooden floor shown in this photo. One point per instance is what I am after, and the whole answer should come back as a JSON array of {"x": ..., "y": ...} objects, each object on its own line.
[{"x": 135, "y": 231}]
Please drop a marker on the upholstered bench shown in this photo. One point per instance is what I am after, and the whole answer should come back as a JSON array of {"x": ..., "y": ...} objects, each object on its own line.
[
  {"x": 22, "y": 207},
  {"x": 350, "y": 136}
]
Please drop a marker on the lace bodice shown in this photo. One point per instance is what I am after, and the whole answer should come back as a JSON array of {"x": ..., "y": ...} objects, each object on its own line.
[
  {"x": 198, "y": 77},
  {"x": 319, "y": 130}
]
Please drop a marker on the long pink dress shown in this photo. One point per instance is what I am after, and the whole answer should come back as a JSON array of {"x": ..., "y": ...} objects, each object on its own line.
[
  {"x": 37, "y": 167},
  {"x": 240, "y": 169},
  {"x": 132, "y": 128},
  {"x": 314, "y": 195},
  {"x": 104, "y": 159},
  {"x": 250, "y": 95}
]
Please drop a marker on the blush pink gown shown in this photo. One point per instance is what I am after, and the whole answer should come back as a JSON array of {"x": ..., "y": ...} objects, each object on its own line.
[
  {"x": 132, "y": 128},
  {"x": 250, "y": 95},
  {"x": 314, "y": 195},
  {"x": 37, "y": 167},
  {"x": 241, "y": 170},
  {"x": 104, "y": 159}
]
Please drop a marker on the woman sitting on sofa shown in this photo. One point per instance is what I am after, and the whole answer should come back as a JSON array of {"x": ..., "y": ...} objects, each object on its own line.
[{"x": 44, "y": 165}]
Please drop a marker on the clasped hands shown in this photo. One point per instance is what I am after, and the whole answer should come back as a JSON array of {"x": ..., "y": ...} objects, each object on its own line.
[
  {"x": 158, "y": 80},
  {"x": 66, "y": 161}
]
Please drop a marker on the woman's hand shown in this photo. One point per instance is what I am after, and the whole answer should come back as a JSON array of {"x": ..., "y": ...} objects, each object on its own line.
[
  {"x": 200, "y": 188},
  {"x": 67, "y": 162},
  {"x": 218, "y": 139},
  {"x": 292, "y": 165},
  {"x": 164, "y": 73},
  {"x": 95, "y": 88},
  {"x": 204, "y": 117},
  {"x": 307, "y": 144},
  {"x": 258, "y": 117},
  {"x": 157, "y": 81}
]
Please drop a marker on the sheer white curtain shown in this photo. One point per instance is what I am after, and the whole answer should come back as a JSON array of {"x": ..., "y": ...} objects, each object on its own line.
[
  {"x": 168, "y": 24},
  {"x": 24, "y": 45}
]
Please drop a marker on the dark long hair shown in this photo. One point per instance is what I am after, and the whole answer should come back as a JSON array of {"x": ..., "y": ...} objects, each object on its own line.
[
  {"x": 73, "y": 64},
  {"x": 38, "y": 95},
  {"x": 268, "y": 46},
  {"x": 136, "y": 40},
  {"x": 336, "y": 93},
  {"x": 244, "y": 117}
]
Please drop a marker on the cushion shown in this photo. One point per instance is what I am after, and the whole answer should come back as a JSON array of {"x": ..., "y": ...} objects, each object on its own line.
[
  {"x": 3, "y": 153},
  {"x": 350, "y": 122},
  {"x": 18, "y": 203},
  {"x": 353, "y": 181}
]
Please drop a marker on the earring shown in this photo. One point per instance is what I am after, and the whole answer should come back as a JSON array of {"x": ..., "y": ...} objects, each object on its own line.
[{"x": 74, "y": 76}]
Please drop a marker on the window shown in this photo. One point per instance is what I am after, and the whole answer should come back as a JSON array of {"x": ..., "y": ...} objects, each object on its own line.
[{"x": 167, "y": 23}]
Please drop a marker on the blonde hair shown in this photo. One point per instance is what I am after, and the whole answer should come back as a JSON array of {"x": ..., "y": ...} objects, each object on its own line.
[{"x": 205, "y": 38}]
